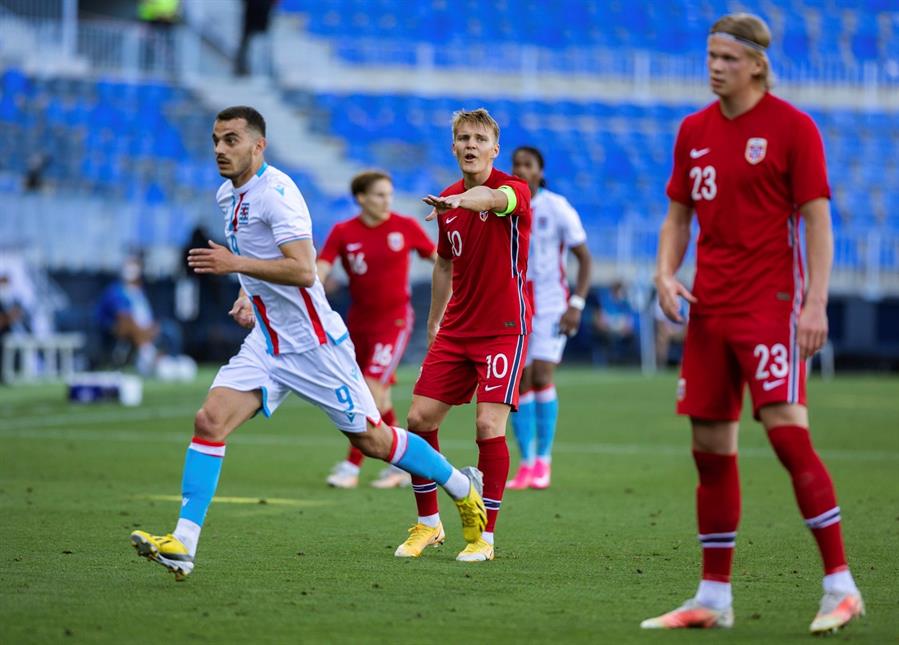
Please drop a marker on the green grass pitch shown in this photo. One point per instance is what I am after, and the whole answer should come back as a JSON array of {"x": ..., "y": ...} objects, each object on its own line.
[{"x": 285, "y": 559}]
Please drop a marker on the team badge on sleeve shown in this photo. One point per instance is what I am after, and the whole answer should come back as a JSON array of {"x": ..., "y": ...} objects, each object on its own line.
[
  {"x": 756, "y": 147},
  {"x": 395, "y": 241}
]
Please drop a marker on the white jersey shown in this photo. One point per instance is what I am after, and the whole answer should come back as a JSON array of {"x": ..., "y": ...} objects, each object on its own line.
[
  {"x": 556, "y": 228},
  {"x": 261, "y": 215}
]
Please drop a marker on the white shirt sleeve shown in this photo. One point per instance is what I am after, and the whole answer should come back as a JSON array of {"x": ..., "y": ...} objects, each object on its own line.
[
  {"x": 287, "y": 213},
  {"x": 572, "y": 230}
]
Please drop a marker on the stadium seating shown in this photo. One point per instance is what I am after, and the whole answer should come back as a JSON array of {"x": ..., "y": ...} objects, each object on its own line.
[
  {"x": 612, "y": 161},
  {"x": 825, "y": 33},
  {"x": 144, "y": 144}
]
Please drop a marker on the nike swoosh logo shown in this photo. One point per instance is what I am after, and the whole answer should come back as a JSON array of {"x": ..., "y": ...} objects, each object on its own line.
[
  {"x": 696, "y": 154},
  {"x": 353, "y": 247},
  {"x": 488, "y": 388},
  {"x": 770, "y": 385},
  {"x": 450, "y": 219}
]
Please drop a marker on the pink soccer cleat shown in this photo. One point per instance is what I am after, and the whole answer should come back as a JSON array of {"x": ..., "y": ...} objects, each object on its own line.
[
  {"x": 541, "y": 475},
  {"x": 691, "y": 614},
  {"x": 522, "y": 478},
  {"x": 837, "y": 610}
]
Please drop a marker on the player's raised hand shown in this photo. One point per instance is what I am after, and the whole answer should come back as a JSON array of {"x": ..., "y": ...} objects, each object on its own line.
[
  {"x": 441, "y": 204},
  {"x": 811, "y": 332},
  {"x": 242, "y": 312},
  {"x": 217, "y": 260},
  {"x": 670, "y": 291}
]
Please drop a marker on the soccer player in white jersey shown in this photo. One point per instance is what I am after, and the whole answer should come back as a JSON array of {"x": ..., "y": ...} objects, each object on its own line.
[
  {"x": 297, "y": 344},
  {"x": 556, "y": 229}
]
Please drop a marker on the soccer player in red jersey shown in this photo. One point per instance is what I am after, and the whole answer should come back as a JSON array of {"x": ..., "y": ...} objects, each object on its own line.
[
  {"x": 374, "y": 248},
  {"x": 478, "y": 322},
  {"x": 750, "y": 165}
]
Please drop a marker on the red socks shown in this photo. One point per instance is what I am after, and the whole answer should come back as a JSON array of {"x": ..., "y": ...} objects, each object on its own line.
[
  {"x": 354, "y": 455},
  {"x": 426, "y": 490},
  {"x": 814, "y": 492},
  {"x": 493, "y": 461},
  {"x": 718, "y": 512}
]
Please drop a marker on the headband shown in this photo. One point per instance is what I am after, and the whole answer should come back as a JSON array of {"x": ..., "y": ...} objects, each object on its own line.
[{"x": 743, "y": 41}]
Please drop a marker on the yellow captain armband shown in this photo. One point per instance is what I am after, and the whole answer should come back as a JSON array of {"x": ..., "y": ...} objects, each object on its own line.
[{"x": 512, "y": 199}]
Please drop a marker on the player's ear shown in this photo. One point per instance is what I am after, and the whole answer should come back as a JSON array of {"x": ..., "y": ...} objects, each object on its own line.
[{"x": 261, "y": 144}]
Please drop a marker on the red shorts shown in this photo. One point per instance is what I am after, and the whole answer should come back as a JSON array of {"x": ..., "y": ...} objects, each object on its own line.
[
  {"x": 455, "y": 367},
  {"x": 723, "y": 353},
  {"x": 379, "y": 352}
]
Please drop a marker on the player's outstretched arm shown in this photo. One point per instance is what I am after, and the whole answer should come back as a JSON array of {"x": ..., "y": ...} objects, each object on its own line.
[
  {"x": 441, "y": 290},
  {"x": 296, "y": 268},
  {"x": 674, "y": 238},
  {"x": 811, "y": 333},
  {"x": 478, "y": 199}
]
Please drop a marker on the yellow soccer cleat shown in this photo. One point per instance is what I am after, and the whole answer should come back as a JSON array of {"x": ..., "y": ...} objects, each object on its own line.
[
  {"x": 167, "y": 550},
  {"x": 837, "y": 610},
  {"x": 420, "y": 537},
  {"x": 479, "y": 551},
  {"x": 691, "y": 614},
  {"x": 471, "y": 507}
]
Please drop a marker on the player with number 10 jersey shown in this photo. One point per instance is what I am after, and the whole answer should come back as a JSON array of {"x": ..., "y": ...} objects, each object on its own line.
[{"x": 479, "y": 319}]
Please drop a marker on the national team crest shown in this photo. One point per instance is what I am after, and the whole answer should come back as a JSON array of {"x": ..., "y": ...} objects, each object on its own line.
[
  {"x": 756, "y": 147},
  {"x": 243, "y": 215},
  {"x": 484, "y": 215},
  {"x": 395, "y": 241}
]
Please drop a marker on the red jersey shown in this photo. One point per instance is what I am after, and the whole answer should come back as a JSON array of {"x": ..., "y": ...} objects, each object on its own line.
[
  {"x": 376, "y": 260},
  {"x": 489, "y": 253},
  {"x": 746, "y": 178}
]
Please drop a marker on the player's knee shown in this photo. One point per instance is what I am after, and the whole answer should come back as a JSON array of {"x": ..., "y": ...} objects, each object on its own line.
[
  {"x": 419, "y": 423},
  {"x": 542, "y": 380},
  {"x": 489, "y": 427},
  {"x": 207, "y": 426}
]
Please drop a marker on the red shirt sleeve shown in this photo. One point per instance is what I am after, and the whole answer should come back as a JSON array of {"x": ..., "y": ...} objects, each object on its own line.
[
  {"x": 332, "y": 246},
  {"x": 808, "y": 170},
  {"x": 678, "y": 189},
  {"x": 419, "y": 240}
]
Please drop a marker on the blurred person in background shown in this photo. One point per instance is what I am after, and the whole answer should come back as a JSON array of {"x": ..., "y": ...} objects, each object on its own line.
[
  {"x": 14, "y": 318},
  {"x": 750, "y": 165},
  {"x": 256, "y": 21},
  {"x": 614, "y": 323},
  {"x": 556, "y": 229},
  {"x": 126, "y": 318},
  {"x": 129, "y": 328},
  {"x": 374, "y": 249}
]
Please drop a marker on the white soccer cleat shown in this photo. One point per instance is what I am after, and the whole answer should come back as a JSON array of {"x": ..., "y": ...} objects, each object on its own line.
[
  {"x": 392, "y": 477},
  {"x": 692, "y": 614},
  {"x": 344, "y": 475},
  {"x": 837, "y": 609}
]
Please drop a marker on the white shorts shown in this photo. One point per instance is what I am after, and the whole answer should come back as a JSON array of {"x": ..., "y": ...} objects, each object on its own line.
[
  {"x": 546, "y": 343},
  {"x": 326, "y": 376}
]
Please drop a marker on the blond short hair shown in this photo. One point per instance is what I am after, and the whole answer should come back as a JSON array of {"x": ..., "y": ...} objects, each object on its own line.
[
  {"x": 752, "y": 29},
  {"x": 479, "y": 117}
]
